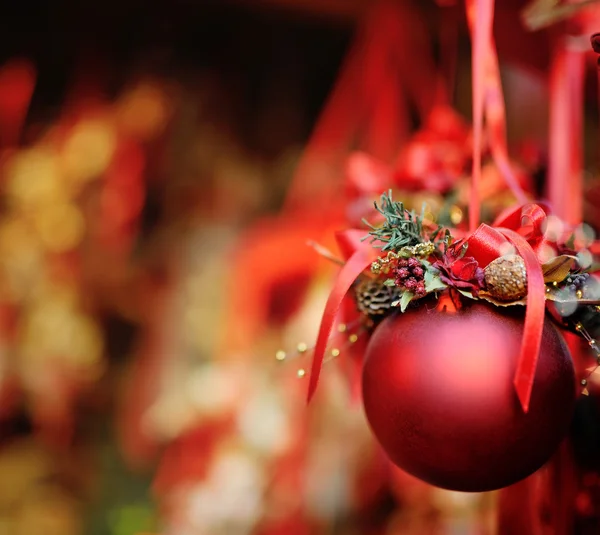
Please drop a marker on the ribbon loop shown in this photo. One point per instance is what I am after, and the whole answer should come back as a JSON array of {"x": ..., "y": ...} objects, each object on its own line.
[{"x": 361, "y": 254}]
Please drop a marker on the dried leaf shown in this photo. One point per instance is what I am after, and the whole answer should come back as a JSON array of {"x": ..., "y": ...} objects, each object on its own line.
[
  {"x": 325, "y": 253},
  {"x": 558, "y": 269},
  {"x": 491, "y": 299}
]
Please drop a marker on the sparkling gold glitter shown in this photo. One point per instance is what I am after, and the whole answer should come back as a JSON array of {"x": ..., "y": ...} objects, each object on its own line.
[
  {"x": 506, "y": 278},
  {"x": 579, "y": 294}
]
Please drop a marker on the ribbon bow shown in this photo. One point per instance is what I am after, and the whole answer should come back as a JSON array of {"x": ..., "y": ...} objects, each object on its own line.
[{"x": 520, "y": 227}]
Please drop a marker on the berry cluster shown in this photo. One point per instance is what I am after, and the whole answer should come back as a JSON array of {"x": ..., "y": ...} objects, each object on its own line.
[
  {"x": 577, "y": 281},
  {"x": 410, "y": 275}
]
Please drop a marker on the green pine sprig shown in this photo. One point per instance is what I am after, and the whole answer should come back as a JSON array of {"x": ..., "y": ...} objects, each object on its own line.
[{"x": 401, "y": 227}]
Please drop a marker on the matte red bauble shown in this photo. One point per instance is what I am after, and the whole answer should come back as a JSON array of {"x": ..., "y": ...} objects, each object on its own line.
[{"x": 438, "y": 393}]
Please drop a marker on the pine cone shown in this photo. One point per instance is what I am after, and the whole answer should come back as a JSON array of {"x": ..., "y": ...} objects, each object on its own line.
[
  {"x": 373, "y": 298},
  {"x": 506, "y": 278}
]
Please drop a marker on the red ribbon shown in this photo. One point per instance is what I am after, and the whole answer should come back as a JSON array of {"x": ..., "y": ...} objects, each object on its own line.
[
  {"x": 521, "y": 227},
  {"x": 361, "y": 254}
]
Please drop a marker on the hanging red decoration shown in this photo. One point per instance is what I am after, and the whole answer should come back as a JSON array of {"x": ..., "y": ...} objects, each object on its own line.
[
  {"x": 463, "y": 386},
  {"x": 437, "y": 392}
]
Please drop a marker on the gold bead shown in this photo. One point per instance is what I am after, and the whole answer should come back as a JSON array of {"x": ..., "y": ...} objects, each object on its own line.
[
  {"x": 280, "y": 355},
  {"x": 335, "y": 352},
  {"x": 353, "y": 338},
  {"x": 579, "y": 294},
  {"x": 302, "y": 347},
  {"x": 578, "y": 327},
  {"x": 301, "y": 373},
  {"x": 583, "y": 382},
  {"x": 342, "y": 327}
]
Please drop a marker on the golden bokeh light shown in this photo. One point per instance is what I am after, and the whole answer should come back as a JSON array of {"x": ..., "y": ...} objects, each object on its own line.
[
  {"x": 33, "y": 178},
  {"x": 60, "y": 226},
  {"x": 55, "y": 328},
  {"x": 143, "y": 112},
  {"x": 88, "y": 150}
]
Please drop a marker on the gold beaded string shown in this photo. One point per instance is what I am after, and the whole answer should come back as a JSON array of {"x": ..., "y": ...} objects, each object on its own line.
[
  {"x": 594, "y": 346},
  {"x": 349, "y": 333}
]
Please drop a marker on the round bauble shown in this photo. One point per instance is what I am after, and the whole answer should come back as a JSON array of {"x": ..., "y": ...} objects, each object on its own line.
[{"x": 439, "y": 396}]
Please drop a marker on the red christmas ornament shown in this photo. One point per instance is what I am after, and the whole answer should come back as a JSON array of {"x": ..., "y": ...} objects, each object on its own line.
[{"x": 438, "y": 393}]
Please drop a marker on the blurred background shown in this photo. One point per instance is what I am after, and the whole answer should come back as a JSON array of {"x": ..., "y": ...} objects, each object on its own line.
[{"x": 147, "y": 281}]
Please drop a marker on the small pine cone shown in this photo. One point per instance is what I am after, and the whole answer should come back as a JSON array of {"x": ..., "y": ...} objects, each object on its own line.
[
  {"x": 506, "y": 278},
  {"x": 373, "y": 298}
]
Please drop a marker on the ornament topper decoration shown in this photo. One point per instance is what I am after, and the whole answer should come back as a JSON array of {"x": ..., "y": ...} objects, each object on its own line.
[{"x": 515, "y": 261}]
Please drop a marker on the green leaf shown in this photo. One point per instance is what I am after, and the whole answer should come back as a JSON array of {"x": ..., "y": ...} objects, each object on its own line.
[
  {"x": 389, "y": 282},
  {"x": 465, "y": 293},
  {"x": 405, "y": 299},
  {"x": 433, "y": 281}
]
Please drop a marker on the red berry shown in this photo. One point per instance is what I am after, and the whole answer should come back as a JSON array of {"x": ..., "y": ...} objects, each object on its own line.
[
  {"x": 413, "y": 262},
  {"x": 402, "y": 273},
  {"x": 417, "y": 272},
  {"x": 402, "y": 262},
  {"x": 410, "y": 283},
  {"x": 420, "y": 288}
]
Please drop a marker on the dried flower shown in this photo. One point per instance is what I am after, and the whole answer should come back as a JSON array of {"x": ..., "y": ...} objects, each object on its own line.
[{"x": 459, "y": 271}]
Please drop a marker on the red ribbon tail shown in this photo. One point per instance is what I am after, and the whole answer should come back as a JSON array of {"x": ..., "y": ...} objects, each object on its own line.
[
  {"x": 348, "y": 274},
  {"x": 534, "y": 318}
]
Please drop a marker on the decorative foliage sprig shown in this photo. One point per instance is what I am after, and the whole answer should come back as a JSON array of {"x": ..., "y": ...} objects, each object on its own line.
[{"x": 401, "y": 228}]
